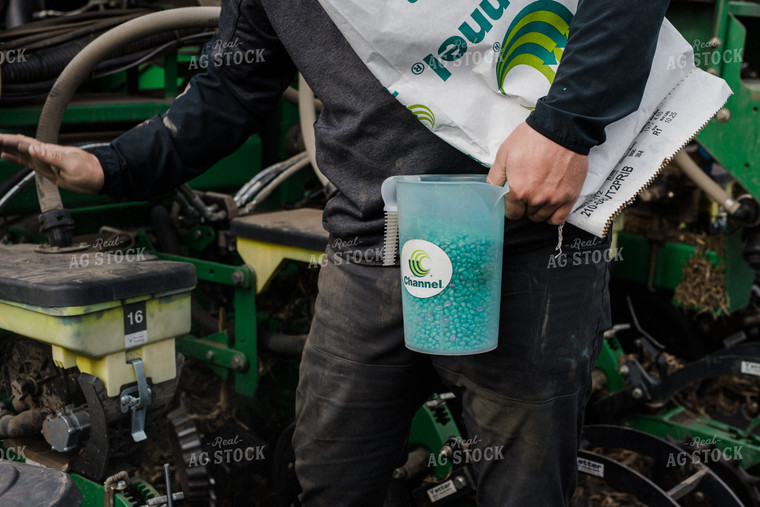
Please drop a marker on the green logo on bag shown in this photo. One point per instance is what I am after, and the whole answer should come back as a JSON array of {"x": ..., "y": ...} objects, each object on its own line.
[
  {"x": 423, "y": 113},
  {"x": 415, "y": 263},
  {"x": 537, "y": 38}
]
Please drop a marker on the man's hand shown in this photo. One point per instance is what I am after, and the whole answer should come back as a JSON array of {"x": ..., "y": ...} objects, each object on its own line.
[
  {"x": 68, "y": 167},
  {"x": 545, "y": 179}
]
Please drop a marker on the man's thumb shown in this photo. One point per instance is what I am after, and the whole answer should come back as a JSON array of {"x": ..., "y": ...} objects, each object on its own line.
[
  {"x": 45, "y": 159},
  {"x": 48, "y": 153}
]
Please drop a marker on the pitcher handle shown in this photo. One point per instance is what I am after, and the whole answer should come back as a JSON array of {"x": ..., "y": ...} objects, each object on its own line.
[{"x": 499, "y": 197}]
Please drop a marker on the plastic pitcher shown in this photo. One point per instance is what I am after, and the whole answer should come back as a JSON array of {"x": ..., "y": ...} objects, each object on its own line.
[{"x": 451, "y": 235}]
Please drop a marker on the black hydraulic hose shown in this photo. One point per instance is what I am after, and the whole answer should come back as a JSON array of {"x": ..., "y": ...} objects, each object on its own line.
[
  {"x": 14, "y": 191},
  {"x": 27, "y": 91},
  {"x": 33, "y": 38},
  {"x": 8, "y": 184},
  {"x": 78, "y": 70},
  {"x": 125, "y": 62},
  {"x": 46, "y": 65},
  {"x": 23, "y": 94},
  {"x": 14, "y": 34},
  {"x": 34, "y": 42},
  {"x": 55, "y": 23},
  {"x": 42, "y": 65}
]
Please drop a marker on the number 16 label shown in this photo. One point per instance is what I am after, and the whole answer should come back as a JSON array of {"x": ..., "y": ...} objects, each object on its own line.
[{"x": 135, "y": 325}]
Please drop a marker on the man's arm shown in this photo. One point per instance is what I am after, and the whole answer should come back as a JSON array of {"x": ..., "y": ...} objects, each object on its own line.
[
  {"x": 218, "y": 111},
  {"x": 215, "y": 115},
  {"x": 600, "y": 80}
]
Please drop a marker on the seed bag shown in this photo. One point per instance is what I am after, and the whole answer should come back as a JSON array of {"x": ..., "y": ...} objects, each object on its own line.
[{"x": 472, "y": 71}]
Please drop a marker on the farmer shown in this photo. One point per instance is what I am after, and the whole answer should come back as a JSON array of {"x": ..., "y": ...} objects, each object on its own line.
[{"x": 359, "y": 386}]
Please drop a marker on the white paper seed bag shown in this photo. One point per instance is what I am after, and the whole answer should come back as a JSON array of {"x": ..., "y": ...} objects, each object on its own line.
[{"x": 471, "y": 71}]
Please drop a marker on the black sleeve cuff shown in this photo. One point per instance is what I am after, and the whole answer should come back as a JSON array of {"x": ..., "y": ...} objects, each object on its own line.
[
  {"x": 603, "y": 71},
  {"x": 113, "y": 166},
  {"x": 565, "y": 129}
]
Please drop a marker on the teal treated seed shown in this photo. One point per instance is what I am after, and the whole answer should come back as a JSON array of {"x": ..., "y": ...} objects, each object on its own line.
[{"x": 461, "y": 319}]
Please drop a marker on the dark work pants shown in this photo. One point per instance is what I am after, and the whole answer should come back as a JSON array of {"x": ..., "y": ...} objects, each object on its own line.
[{"x": 360, "y": 387}]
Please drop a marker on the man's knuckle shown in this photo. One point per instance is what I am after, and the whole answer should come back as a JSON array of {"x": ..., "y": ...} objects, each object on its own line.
[{"x": 519, "y": 194}]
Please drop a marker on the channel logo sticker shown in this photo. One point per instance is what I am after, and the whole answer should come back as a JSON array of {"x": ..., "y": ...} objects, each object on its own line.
[
  {"x": 425, "y": 269},
  {"x": 418, "y": 262}
]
